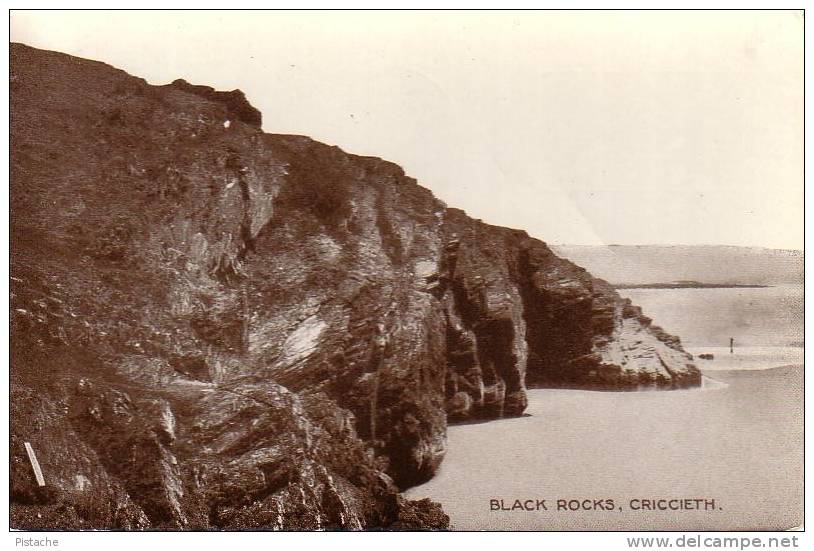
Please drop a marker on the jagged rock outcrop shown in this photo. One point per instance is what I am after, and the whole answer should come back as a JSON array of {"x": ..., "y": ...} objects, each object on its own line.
[
  {"x": 235, "y": 101},
  {"x": 217, "y": 327}
]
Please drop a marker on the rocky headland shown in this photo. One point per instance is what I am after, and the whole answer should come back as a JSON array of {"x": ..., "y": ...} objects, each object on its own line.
[{"x": 217, "y": 328}]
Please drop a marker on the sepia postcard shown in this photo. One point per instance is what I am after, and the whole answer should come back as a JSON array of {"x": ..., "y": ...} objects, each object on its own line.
[{"x": 406, "y": 271}]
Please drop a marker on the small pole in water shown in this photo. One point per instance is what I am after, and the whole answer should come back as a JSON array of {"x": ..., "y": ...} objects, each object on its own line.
[{"x": 731, "y": 345}]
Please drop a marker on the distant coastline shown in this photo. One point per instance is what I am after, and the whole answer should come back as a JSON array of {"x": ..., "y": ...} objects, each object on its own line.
[
  {"x": 707, "y": 266},
  {"x": 688, "y": 285}
]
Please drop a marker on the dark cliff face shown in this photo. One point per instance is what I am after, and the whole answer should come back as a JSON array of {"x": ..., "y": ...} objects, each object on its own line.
[{"x": 216, "y": 327}]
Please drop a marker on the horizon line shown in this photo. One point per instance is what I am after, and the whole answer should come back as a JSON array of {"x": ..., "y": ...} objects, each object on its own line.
[{"x": 697, "y": 245}]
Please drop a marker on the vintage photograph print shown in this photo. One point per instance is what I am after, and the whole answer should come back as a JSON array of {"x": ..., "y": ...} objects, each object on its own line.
[{"x": 406, "y": 270}]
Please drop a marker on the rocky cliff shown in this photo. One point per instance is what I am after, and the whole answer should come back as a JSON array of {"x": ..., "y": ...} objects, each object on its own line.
[{"x": 213, "y": 327}]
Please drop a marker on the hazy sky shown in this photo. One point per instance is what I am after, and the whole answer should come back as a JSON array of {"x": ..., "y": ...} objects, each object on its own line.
[{"x": 580, "y": 127}]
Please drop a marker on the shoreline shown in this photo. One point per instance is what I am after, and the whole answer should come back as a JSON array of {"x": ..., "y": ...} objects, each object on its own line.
[
  {"x": 647, "y": 431},
  {"x": 747, "y": 358}
]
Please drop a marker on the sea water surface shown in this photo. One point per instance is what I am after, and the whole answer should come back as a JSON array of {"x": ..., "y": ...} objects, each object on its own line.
[{"x": 738, "y": 441}]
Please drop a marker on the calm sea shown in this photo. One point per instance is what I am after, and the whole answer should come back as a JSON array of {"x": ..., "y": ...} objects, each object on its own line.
[
  {"x": 739, "y": 442},
  {"x": 770, "y": 316}
]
